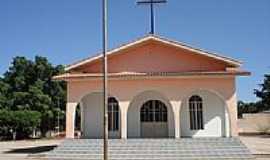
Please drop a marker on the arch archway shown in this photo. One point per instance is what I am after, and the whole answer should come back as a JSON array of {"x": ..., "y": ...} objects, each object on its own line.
[
  {"x": 204, "y": 113},
  {"x": 154, "y": 120},
  {"x": 92, "y": 116},
  {"x": 134, "y": 129}
]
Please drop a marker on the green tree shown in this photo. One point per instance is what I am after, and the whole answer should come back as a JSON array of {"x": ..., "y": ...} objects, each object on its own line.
[
  {"x": 25, "y": 122},
  {"x": 18, "y": 123},
  {"x": 28, "y": 85},
  {"x": 5, "y": 124},
  {"x": 264, "y": 93},
  {"x": 243, "y": 107},
  {"x": 4, "y": 87}
]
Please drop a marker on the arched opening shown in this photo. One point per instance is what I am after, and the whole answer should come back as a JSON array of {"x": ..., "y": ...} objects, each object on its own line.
[
  {"x": 204, "y": 114},
  {"x": 141, "y": 110},
  {"x": 154, "y": 121},
  {"x": 92, "y": 116}
]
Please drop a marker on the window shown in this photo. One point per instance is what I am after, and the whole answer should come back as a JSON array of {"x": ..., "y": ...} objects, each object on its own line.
[
  {"x": 113, "y": 114},
  {"x": 154, "y": 111},
  {"x": 196, "y": 113}
]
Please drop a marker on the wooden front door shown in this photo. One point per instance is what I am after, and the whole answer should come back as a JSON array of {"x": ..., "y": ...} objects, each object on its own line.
[{"x": 154, "y": 120}]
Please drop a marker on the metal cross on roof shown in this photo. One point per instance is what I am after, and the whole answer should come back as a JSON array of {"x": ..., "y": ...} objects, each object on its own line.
[{"x": 151, "y": 3}]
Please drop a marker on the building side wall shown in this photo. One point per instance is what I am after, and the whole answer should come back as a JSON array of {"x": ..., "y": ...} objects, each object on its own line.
[{"x": 254, "y": 123}]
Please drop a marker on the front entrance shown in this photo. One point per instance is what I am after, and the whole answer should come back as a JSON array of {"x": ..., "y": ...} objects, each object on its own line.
[{"x": 154, "y": 119}]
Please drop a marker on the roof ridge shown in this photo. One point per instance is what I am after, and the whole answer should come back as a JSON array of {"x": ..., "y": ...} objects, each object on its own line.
[
  {"x": 197, "y": 48},
  {"x": 118, "y": 46},
  {"x": 158, "y": 38}
]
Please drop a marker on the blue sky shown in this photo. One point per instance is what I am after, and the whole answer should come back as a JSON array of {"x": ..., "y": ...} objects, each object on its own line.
[{"x": 67, "y": 30}]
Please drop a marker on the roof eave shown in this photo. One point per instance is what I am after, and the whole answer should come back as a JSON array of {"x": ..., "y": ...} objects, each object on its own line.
[{"x": 69, "y": 76}]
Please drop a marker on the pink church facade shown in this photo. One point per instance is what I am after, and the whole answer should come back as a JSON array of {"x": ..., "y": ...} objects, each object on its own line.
[{"x": 158, "y": 88}]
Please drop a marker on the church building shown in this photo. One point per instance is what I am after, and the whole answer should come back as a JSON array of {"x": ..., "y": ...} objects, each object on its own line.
[{"x": 158, "y": 88}]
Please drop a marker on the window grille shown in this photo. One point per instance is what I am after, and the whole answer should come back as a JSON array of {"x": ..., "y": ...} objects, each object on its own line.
[
  {"x": 154, "y": 111},
  {"x": 113, "y": 114},
  {"x": 196, "y": 113}
]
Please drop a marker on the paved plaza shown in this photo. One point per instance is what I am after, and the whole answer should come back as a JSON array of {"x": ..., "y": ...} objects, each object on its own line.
[
  {"x": 258, "y": 145},
  {"x": 24, "y": 150}
]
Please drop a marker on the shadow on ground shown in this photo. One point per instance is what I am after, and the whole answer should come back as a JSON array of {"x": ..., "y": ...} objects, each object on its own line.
[{"x": 31, "y": 150}]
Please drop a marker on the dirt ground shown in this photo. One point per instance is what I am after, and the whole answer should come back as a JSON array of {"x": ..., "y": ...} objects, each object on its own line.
[
  {"x": 33, "y": 149},
  {"x": 258, "y": 145},
  {"x": 25, "y": 150}
]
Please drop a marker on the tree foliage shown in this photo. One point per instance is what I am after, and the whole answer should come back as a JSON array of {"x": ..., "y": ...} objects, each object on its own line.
[
  {"x": 263, "y": 104},
  {"x": 251, "y": 107},
  {"x": 28, "y": 86},
  {"x": 20, "y": 122},
  {"x": 264, "y": 93}
]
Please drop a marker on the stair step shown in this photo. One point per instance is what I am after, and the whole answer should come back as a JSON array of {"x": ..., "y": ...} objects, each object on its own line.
[
  {"x": 185, "y": 158},
  {"x": 153, "y": 149}
]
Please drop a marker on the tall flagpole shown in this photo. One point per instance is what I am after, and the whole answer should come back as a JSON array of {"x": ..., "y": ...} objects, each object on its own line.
[{"x": 105, "y": 79}]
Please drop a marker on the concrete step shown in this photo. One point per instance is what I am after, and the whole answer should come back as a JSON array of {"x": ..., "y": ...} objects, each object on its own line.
[
  {"x": 183, "y": 158},
  {"x": 151, "y": 146},
  {"x": 163, "y": 157},
  {"x": 130, "y": 152},
  {"x": 153, "y": 149}
]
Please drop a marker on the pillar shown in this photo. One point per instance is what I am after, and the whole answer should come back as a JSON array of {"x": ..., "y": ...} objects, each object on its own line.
[
  {"x": 82, "y": 118},
  {"x": 176, "y": 110},
  {"x": 123, "y": 110},
  {"x": 232, "y": 112},
  {"x": 70, "y": 119}
]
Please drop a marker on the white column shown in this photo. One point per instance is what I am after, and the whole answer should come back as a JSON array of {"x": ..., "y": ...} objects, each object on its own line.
[
  {"x": 123, "y": 109},
  {"x": 176, "y": 110},
  {"x": 70, "y": 119},
  {"x": 232, "y": 111},
  {"x": 82, "y": 118},
  {"x": 227, "y": 122}
]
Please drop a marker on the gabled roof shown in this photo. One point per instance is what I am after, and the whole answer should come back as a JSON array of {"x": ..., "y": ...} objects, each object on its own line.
[{"x": 229, "y": 61}]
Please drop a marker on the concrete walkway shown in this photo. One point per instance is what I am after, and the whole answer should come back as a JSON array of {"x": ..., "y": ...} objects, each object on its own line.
[
  {"x": 258, "y": 145},
  {"x": 21, "y": 150}
]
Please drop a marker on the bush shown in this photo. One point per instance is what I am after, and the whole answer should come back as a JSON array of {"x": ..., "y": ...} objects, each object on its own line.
[{"x": 18, "y": 124}]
